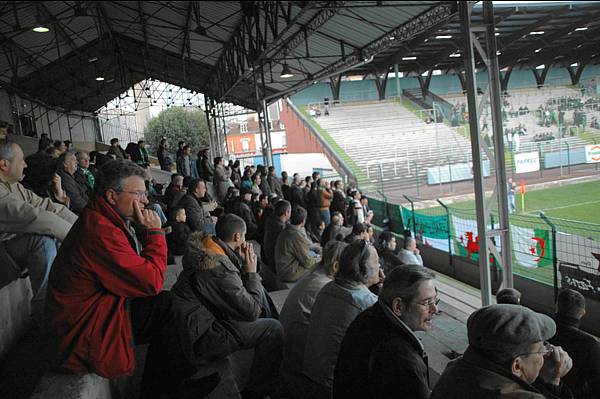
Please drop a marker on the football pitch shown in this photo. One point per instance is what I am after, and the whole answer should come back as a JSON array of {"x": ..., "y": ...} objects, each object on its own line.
[{"x": 578, "y": 202}]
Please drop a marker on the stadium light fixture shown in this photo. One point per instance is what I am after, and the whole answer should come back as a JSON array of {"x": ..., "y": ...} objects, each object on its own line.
[
  {"x": 581, "y": 29},
  {"x": 443, "y": 37},
  {"x": 498, "y": 53},
  {"x": 574, "y": 65},
  {"x": 286, "y": 73},
  {"x": 537, "y": 50},
  {"x": 40, "y": 28},
  {"x": 537, "y": 32},
  {"x": 541, "y": 66},
  {"x": 497, "y": 34},
  {"x": 100, "y": 78},
  {"x": 455, "y": 55},
  {"x": 40, "y": 24},
  {"x": 409, "y": 58}
]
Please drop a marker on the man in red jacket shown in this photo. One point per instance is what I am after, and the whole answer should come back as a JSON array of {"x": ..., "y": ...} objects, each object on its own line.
[{"x": 104, "y": 293}]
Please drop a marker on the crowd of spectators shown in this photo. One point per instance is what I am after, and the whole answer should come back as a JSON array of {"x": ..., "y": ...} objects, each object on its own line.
[
  {"x": 97, "y": 234},
  {"x": 546, "y": 136}
]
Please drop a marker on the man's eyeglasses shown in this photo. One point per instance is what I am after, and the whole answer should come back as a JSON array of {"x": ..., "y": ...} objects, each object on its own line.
[
  {"x": 429, "y": 303},
  {"x": 546, "y": 349},
  {"x": 138, "y": 194}
]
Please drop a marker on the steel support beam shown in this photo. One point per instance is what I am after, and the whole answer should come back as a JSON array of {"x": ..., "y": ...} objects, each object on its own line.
[
  {"x": 262, "y": 112},
  {"x": 364, "y": 55},
  {"x": 498, "y": 138},
  {"x": 465, "y": 11},
  {"x": 336, "y": 85},
  {"x": 259, "y": 36}
]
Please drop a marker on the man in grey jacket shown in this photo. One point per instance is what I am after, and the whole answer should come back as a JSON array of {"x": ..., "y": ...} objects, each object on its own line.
[{"x": 29, "y": 227}]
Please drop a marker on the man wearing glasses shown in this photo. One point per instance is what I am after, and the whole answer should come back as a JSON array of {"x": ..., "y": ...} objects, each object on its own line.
[
  {"x": 507, "y": 357},
  {"x": 380, "y": 356},
  {"x": 105, "y": 286}
]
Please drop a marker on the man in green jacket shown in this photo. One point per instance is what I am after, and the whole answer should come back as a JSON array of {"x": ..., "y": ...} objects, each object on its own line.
[{"x": 292, "y": 258}]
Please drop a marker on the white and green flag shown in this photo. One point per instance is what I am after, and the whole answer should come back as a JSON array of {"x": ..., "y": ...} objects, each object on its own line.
[
  {"x": 432, "y": 230},
  {"x": 532, "y": 248}
]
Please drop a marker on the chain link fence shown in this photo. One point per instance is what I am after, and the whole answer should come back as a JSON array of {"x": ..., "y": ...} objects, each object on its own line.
[{"x": 552, "y": 251}]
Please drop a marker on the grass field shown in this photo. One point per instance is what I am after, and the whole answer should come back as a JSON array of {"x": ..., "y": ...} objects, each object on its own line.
[{"x": 580, "y": 202}]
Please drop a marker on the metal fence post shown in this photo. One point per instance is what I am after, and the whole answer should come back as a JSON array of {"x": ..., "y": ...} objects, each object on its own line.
[
  {"x": 540, "y": 156},
  {"x": 414, "y": 221},
  {"x": 450, "y": 174},
  {"x": 449, "y": 236},
  {"x": 494, "y": 264},
  {"x": 381, "y": 179},
  {"x": 554, "y": 259},
  {"x": 569, "y": 157},
  {"x": 416, "y": 168}
]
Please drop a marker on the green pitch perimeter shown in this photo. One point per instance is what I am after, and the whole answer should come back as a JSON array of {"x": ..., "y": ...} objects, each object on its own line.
[{"x": 579, "y": 202}]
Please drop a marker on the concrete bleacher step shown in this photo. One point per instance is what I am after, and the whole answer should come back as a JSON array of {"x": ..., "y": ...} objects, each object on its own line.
[
  {"x": 78, "y": 386},
  {"x": 14, "y": 313}
]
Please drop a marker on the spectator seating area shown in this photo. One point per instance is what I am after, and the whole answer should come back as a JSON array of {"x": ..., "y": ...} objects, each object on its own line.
[
  {"x": 390, "y": 143},
  {"x": 354, "y": 278},
  {"x": 536, "y": 135}
]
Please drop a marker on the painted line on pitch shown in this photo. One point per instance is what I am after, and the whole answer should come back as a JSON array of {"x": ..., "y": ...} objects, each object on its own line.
[{"x": 561, "y": 207}]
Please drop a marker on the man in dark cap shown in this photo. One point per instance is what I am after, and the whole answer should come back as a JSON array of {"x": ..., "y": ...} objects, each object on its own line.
[
  {"x": 584, "y": 378},
  {"x": 507, "y": 357},
  {"x": 508, "y": 295}
]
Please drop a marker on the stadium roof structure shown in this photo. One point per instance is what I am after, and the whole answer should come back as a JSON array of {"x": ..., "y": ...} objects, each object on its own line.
[
  {"x": 528, "y": 34},
  {"x": 82, "y": 54}
]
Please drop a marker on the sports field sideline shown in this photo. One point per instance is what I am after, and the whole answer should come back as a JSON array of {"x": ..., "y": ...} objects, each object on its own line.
[{"x": 578, "y": 202}]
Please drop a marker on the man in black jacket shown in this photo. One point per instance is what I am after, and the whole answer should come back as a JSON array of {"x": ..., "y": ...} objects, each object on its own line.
[
  {"x": 275, "y": 225},
  {"x": 77, "y": 191},
  {"x": 164, "y": 158},
  {"x": 242, "y": 208},
  {"x": 204, "y": 166},
  {"x": 338, "y": 204},
  {"x": 297, "y": 192},
  {"x": 198, "y": 218},
  {"x": 380, "y": 356},
  {"x": 584, "y": 349}
]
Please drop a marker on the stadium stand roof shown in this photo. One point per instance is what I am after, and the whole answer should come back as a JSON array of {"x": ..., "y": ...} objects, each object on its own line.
[
  {"x": 96, "y": 50},
  {"x": 528, "y": 34}
]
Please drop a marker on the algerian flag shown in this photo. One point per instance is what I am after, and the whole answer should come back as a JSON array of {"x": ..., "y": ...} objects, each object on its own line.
[
  {"x": 432, "y": 230},
  {"x": 532, "y": 248}
]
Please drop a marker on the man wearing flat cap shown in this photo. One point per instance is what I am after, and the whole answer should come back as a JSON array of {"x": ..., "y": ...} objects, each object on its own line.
[{"x": 507, "y": 357}]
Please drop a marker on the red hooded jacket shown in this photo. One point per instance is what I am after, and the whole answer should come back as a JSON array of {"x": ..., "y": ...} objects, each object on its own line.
[{"x": 96, "y": 271}]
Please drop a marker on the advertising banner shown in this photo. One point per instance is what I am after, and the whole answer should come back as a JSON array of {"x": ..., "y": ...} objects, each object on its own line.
[
  {"x": 527, "y": 162},
  {"x": 592, "y": 153}
]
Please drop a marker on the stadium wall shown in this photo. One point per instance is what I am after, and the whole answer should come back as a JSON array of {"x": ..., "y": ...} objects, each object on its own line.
[
  {"x": 366, "y": 90},
  {"x": 300, "y": 139},
  {"x": 26, "y": 117}
]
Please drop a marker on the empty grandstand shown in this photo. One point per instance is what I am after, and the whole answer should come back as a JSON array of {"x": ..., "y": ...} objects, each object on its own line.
[{"x": 392, "y": 145}]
